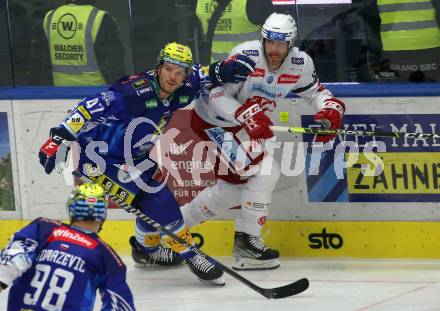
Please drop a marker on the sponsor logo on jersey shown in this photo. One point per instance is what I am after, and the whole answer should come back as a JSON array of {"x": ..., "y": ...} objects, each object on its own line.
[
  {"x": 206, "y": 211},
  {"x": 151, "y": 104},
  {"x": 250, "y": 52},
  {"x": 216, "y": 135},
  {"x": 288, "y": 79},
  {"x": 230, "y": 148},
  {"x": 143, "y": 90},
  {"x": 259, "y": 72},
  {"x": 140, "y": 83},
  {"x": 269, "y": 79},
  {"x": 183, "y": 99},
  {"x": 260, "y": 88},
  {"x": 84, "y": 112},
  {"x": 216, "y": 94},
  {"x": 297, "y": 60},
  {"x": 75, "y": 122},
  {"x": 68, "y": 235},
  {"x": 296, "y": 69}
]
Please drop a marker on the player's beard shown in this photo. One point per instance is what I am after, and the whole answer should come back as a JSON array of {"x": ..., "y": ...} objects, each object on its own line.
[
  {"x": 275, "y": 62},
  {"x": 169, "y": 89}
]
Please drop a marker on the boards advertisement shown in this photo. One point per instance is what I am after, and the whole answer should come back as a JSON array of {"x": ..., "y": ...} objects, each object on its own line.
[{"x": 405, "y": 169}]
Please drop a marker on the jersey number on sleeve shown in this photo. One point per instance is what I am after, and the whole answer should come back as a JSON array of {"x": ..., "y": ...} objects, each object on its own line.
[
  {"x": 92, "y": 103},
  {"x": 59, "y": 284}
]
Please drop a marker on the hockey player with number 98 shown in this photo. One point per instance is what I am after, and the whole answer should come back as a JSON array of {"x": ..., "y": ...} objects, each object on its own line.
[
  {"x": 238, "y": 114},
  {"x": 54, "y": 266}
]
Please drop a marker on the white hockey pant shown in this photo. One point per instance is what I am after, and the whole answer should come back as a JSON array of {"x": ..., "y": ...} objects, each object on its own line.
[{"x": 254, "y": 197}]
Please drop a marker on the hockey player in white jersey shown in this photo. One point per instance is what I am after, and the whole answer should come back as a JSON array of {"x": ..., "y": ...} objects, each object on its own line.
[{"x": 236, "y": 113}]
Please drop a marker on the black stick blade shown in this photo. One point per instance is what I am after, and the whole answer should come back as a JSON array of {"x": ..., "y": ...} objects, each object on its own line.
[{"x": 286, "y": 290}]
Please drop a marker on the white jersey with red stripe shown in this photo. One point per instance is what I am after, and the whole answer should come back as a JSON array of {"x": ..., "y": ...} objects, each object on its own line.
[{"x": 296, "y": 74}]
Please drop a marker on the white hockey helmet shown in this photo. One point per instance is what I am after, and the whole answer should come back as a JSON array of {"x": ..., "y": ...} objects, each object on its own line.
[{"x": 279, "y": 27}]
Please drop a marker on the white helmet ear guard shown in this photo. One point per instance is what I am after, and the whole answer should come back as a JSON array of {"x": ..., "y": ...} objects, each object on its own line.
[{"x": 279, "y": 27}]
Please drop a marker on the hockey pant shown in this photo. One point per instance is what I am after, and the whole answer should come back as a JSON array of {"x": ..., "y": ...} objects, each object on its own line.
[
  {"x": 253, "y": 194},
  {"x": 157, "y": 202}
]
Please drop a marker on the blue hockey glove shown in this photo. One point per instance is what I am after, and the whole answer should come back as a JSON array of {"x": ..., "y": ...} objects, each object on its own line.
[
  {"x": 232, "y": 70},
  {"x": 55, "y": 149}
]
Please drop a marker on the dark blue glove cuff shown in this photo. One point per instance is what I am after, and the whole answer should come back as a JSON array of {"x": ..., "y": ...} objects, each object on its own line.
[
  {"x": 60, "y": 133},
  {"x": 214, "y": 72}
]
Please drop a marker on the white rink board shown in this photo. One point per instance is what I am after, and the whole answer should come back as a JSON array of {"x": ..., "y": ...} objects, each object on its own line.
[{"x": 43, "y": 195}]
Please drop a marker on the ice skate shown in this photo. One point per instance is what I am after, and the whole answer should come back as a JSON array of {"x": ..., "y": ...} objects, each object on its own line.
[
  {"x": 205, "y": 269},
  {"x": 163, "y": 256},
  {"x": 250, "y": 253}
]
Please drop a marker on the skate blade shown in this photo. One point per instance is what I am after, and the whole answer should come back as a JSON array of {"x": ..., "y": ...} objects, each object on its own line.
[
  {"x": 217, "y": 282},
  {"x": 241, "y": 264},
  {"x": 150, "y": 266}
]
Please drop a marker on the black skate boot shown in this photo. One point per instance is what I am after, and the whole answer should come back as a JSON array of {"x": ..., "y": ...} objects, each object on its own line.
[
  {"x": 205, "y": 269},
  {"x": 163, "y": 256},
  {"x": 250, "y": 253}
]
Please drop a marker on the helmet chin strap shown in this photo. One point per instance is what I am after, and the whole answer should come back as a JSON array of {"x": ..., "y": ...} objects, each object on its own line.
[{"x": 100, "y": 227}]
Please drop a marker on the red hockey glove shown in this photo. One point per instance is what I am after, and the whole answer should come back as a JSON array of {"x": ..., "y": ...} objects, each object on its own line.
[
  {"x": 330, "y": 116},
  {"x": 255, "y": 122},
  {"x": 58, "y": 143}
]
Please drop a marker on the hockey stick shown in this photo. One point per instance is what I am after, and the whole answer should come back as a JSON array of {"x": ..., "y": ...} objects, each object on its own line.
[
  {"x": 307, "y": 130},
  {"x": 271, "y": 293}
]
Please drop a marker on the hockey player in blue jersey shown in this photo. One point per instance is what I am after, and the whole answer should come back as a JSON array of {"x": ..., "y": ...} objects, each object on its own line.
[
  {"x": 116, "y": 131},
  {"x": 55, "y": 266}
]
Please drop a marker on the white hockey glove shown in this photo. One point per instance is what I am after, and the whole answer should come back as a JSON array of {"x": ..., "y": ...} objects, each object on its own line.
[{"x": 16, "y": 259}]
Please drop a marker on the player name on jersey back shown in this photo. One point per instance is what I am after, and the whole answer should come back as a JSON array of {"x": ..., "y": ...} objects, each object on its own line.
[{"x": 62, "y": 258}]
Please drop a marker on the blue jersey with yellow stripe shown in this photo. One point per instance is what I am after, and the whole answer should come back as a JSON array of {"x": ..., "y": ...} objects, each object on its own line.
[{"x": 129, "y": 116}]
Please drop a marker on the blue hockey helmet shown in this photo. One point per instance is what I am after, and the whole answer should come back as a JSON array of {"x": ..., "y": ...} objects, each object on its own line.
[{"x": 88, "y": 201}]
